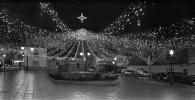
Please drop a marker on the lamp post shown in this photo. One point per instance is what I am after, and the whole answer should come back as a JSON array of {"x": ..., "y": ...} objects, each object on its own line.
[
  {"x": 171, "y": 53},
  {"x": 31, "y": 49},
  {"x": 97, "y": 63},
  {"x": 171, "y": 80},
  {"x": 22, "y": 48},
  {"x": 114, "y": 62},
  {"x": 88, "y": 54},
  {"x": 83, "y": 63},
  {"x": 114, "y": 66},
  {"x": 150, "y": 59},
  {"x": 89, "y": 61},
  {"x": 81, "y": 53},
  {"x": 4, "y": 61}
]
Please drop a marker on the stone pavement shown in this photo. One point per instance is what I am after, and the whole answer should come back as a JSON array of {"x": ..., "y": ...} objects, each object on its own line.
[
  {"x": 22, "y": 85},
  {"x": 35, "y": 85}
]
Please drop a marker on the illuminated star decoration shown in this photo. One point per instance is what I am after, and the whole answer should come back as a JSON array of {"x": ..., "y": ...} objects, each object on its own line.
[{"x": 82, "y": 18}]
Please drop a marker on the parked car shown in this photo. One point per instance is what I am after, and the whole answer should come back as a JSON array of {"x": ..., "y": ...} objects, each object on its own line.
[
  {"x": 7, "y": 65},
  {"x": 181, "y": 78},
  {"x": 142, "y": 73},
  {"x": 130, "y": 73},
  {"x": 193, "y": 77},
  {"x": 161, "y": 76},
  {"x": 169, "y": 74}
]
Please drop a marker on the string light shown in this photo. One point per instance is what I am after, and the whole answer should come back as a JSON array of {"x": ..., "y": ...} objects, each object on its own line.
[
  {"x": 132, "y": 14},
  {"x": 46, "y": 8},
  {"x": 148, "y": 45}
]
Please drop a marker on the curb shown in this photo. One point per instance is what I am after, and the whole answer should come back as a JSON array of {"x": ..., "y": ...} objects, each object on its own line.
[{"x": 110, "y": 82}]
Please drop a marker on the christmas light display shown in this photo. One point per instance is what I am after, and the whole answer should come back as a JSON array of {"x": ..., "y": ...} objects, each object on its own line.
[
  {"x": 131, "y": 15},
  {"x": 149, "y": 51},
  {"x": 151, "y": 45},
  {"x": 46, "y": 8},
  {"x": 83, "y": 50},
  {"x": 148, "y": 45}
]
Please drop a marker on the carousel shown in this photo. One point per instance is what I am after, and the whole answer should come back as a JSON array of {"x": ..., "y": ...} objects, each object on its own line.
[
  {"x": 83, "y": 61},
  {"x": 84, "y": 72}
]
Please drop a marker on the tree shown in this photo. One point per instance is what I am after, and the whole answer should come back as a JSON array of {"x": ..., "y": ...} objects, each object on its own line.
[{"x": 148, "y": 51}]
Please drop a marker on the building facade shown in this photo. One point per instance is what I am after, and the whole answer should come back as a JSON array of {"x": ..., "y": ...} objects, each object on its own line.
[{"x": 35, "y": 58}]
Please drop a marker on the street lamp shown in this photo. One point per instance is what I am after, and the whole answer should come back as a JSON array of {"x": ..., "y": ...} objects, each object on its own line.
[
  {"x": 97, "y": 63},
  {"x": 81, "y": 53},
  {"x": 88, "y": 53},
  {"x": 32, "y": 49},
  {"x": 171, "y": 53},
  {"x": 22, "y": 52},
  {"x": 4, "y": 55},
  {"x": 22, "y": 48},
  {"x": 114, "y": 62},
  {"x": 4, "y": 61}
]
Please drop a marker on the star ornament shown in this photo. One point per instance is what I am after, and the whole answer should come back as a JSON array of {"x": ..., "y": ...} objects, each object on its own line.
[{"x": 82, "y": 18}]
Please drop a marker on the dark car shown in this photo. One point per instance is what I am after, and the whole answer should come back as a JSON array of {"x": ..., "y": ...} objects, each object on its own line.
[
  {"x": 161, "y": 76},
  {"x": 173, "y": 74},
  {"x": 181, "y": 78},
  {"x": 187, "y": 80},
  {"x": 193, "y": 78}
]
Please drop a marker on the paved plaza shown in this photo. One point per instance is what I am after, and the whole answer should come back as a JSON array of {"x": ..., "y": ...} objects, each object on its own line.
[{"x": 35, "y": 85}]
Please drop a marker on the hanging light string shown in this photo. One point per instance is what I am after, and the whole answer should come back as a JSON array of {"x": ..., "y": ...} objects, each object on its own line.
[
  {"x": 47, "y": 8},
  {"x": 131, "y": 15}
]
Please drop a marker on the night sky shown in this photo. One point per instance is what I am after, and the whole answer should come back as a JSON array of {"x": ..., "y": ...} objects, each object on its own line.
[{"x": 100, "y": 14}]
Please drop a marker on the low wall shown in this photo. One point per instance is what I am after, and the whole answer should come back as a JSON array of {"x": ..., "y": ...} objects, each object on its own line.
[{"x": 165, "y": 68}]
